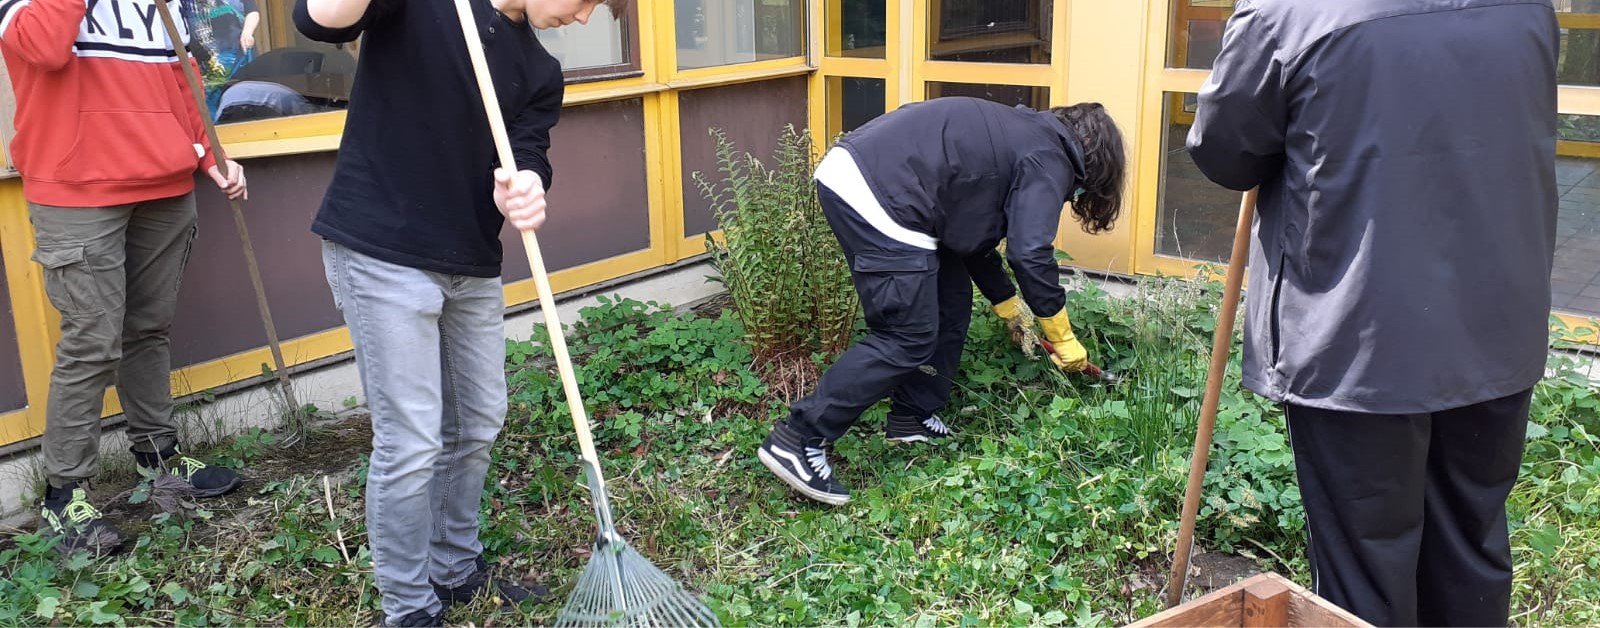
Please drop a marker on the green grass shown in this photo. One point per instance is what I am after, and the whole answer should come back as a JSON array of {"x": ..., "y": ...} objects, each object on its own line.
[{"x": 1057, "y": 505}]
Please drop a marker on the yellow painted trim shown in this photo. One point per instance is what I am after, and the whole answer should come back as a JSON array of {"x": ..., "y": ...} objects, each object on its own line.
[
  {"x": 30, "y": 314},
  {"x": 649, "y": 55},
  {"x": 1578, "y": 100},
  {"x": 1581, "y": 329},
  {"x": 1569, "y": 148},
  {"x": 1060, "y": 51},
  {"x": 663, "y": 39},
  {"x": 1150, "y": 141},
  {"x": 911, "y": 41},
  {"x": 1183, "y": 80},
  {"x": 853, "y": 67},
  {"x": 989, "y": 73},
  {"x": 590, "y": 93},
  {"x": 520, "y": 292},
  {"x": 329, "y": 123},
  {"x": 286, "y": 146},
  {"x": 694, "y": 245},
  {"x": 833, "y": 20},
  {"x": 754, "y": 69},
  {"x": 247, "y": 364},
  {"x": 664, "y": 154},
  {"x": 747, "y": 73},
  {"x": 1578, "y": 20},
  {"x": 18, "y": 425}
]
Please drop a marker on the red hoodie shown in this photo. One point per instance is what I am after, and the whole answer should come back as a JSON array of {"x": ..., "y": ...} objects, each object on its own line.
[{"x": 104, "y": 116}]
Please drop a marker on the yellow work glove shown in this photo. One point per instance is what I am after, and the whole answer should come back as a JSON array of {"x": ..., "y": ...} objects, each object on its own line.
[
  {"x": 1010, "y": 311},
  {"x": 1069, "y": 354}
]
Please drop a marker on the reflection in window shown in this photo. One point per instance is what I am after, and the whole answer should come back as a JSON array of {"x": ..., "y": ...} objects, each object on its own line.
[
  {"x": 853, "y": 102},
  {"x": 256, "y": 65},
  {"x": 1575, "y": 280},
  {"x": 1034, "y": 97},
  {"x": 993, "y": 31},
  {"x": 1579, "y": 62},
  {"x": 725, "y": 32},
  {"x": 862, "y": 28},
  {"x": 1197, "y": 216},
  {"x": 599, "y": 48},
  {"x": 1196, "y": 35}
]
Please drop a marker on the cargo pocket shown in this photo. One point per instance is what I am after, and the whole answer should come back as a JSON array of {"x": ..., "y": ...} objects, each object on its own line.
[
  {"x": 68, "y": 281},
  {"x": 890, "y": 285}
]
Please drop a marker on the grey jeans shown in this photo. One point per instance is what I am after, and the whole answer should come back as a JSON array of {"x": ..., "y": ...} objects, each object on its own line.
[
  {"x": 113, "y": 274},
  {"x": 431, "y": 352}
]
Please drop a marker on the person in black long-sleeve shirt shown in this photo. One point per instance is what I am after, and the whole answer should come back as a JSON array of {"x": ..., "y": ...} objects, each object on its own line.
[
  {"x": 919, "y": 200},
  {"x": 411, "y": 224}
]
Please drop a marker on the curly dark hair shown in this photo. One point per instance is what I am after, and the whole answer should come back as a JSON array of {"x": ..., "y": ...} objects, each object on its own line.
[{"x": 1104, "y": 163}]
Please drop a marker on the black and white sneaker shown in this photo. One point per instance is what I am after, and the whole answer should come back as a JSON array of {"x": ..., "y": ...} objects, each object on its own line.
[
  {"x": 908, "y": 429},
  {"x": 802, "y": 464}
]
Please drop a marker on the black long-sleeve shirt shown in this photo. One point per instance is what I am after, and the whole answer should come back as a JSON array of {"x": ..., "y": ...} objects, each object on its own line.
[
  {"x": 971, "y": 172},
  {"x": 414, "y": 181}
]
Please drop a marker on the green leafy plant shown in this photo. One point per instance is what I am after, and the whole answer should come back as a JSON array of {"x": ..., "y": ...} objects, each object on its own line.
[{"x": 780, "y": 262}]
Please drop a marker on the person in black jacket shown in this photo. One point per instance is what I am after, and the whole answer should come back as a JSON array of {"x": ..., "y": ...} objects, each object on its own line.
[
  {"x": 411, "y": 225},
  {"x": 919, "y": 199},
  {"x": 1399, "y": 295}
]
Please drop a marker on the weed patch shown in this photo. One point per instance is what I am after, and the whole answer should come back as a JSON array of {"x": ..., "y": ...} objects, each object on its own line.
[{"x": 1057, "y": 504}]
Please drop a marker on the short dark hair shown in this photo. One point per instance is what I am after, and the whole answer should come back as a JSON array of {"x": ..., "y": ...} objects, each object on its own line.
[
  {"x": 618, "y": 7},
  {"x": 1104, "y": 164}
]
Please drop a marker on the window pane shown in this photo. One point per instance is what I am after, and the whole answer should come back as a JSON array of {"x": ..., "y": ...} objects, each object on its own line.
[
  {"x": 1579, "y": 62},
  {"x": 862, "y": 25},
  {"x": 1575, "y": 281},
  {"x": 853, "y": 102},
  {"x": 1196, "y": 35},
  {"x": 270, "y": 70},
  {"x": 995, "y": 31},
  {"x": 1035, "y": 97},
  {"x": 724, "y": 32},
  {"x": 602, "y": 43},
  {"x": 1197, "y": 216}
]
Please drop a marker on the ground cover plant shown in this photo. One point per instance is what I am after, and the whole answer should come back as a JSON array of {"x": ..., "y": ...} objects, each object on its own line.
[{"x": 1058, "y": 504}]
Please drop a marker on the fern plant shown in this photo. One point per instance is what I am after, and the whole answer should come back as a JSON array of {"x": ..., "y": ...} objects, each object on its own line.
[{"x": 780, "y": 262}]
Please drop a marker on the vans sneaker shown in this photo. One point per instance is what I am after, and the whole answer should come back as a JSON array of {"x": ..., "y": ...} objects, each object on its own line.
[
  {"x": 802, "y": 463},
  {"x": 908, "y": 429}
]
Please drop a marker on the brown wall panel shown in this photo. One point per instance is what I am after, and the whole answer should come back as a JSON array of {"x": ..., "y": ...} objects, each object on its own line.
[
  {"x": 217, "y": 314},
  {"x": 13, "y": 394},
  {"x": 752, "y": 115},
  {"x": 599, "y": 203}
]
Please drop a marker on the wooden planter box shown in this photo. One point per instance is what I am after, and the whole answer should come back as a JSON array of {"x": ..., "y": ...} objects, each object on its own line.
[{"x": 1264, "y": 600}]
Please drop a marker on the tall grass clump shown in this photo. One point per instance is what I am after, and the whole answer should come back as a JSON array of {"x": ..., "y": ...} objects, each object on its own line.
[{"x": 783, "y": 269}]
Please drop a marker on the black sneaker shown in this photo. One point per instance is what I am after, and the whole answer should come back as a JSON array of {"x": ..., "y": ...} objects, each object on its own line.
[
  {"x": 802, "y": 464},
  {"x": 417, "y": 618},
  {"x": 909, "y": 429},
  {"x": 204, "y": 480},
  {"x": 67, "y": 513},
  {"x": 511, "y": 593}
]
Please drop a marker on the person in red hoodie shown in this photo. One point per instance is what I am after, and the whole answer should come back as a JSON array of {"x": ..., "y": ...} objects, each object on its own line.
[{"x": 108, "y": 141}]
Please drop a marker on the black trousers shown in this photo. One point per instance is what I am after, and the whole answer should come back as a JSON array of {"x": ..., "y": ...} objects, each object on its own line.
[
  {"x": 1407, "y": 513},
  {"x": 917, "y": 304}
]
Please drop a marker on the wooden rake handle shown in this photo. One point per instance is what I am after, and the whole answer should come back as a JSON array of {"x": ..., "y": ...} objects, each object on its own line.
[
  {"x": 198, "y": 93},
  {"x": 1221, "y": 345},
  {"x": 541, "y": 279}
]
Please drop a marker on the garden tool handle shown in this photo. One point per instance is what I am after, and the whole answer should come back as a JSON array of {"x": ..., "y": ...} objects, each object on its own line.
[
  {"x": 190, "y": 76},
  {"x": 541, "y": 279},
  {"x": 1221, "y": 344}
]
